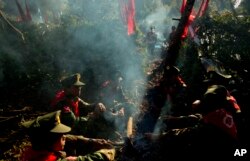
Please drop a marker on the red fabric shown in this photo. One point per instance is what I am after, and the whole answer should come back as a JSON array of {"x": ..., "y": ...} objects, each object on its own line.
[
  {"x": 60, "y": 96},
  {"x": 32, "y": 155},
  {"x": 199, "y": 11},
  {"x": 223, "y": 120},
  {"x": 75, "y": 108},
  {"x": 183, "y": 5},
  {"x": 128, "y": 14},
  {"x": 131, "y": 17},
  {"x": 180, "y": 80},
  {"x": 203, "y": 8},
  {"x": 233, "y": 102},
  {"x": 190, "y": 19},
  {"x": 193, "y": 15}
]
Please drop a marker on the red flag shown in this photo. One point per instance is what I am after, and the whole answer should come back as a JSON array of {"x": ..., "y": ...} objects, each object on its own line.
[
  {"x": 128, "y": 13},
  {"x": 131, "y": 17},
  {"x": 193, "y": 15},
  {"x": 183, "y": 5},
  {"x": 199, "y": 11},
  {"x": 190, "y": 19},
  {"x": 203, "y": 8}
]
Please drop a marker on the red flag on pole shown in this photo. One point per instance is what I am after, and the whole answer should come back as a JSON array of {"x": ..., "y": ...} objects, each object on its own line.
[
  {"x": 183, "y": 5},
  {"x": 127, "y": 8},
  {"x": 203, "y": 8},
  {"x": 199, "y": 11},
  {"x": 131, "y": 17},
  {"x": 193, "y": 15},
  {"x": 190, "y": 19}
]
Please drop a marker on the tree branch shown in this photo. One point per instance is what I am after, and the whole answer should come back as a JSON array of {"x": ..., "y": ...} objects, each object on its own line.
[{"x": 11, "y": 25}]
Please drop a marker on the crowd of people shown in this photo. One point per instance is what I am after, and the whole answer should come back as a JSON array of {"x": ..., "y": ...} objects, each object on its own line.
[{"x": 77, "y": 130}]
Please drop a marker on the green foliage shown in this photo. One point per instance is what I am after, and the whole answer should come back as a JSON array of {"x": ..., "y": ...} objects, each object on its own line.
[
  {"x": 52, "y": 50},
  {"x": 226, "y": 38}
]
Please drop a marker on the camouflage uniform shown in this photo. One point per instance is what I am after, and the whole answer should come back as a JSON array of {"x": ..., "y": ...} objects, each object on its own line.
[
  {"x": 211, "y": 134},
  {"x": 151, "y": 39},
  {"x": 72, "y": 107},
  {"x": 48, "y": 138}
]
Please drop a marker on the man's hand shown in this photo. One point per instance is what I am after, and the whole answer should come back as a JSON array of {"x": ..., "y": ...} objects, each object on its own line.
[{"x": 98, "y": 144}]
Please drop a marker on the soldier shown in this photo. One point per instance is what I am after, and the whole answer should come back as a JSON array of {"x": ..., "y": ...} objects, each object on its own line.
[
  {"x": 112, "y": 91},
  {"x": 167, "y": 98},
  {"x": 171, "y": 35},
  {"x": 115, "y": 100},
  {"x": 69, "y": 102},
  {"x": 212, "y": 134},
  {"x": 215, "y": 78},
  {"x": 48, "y": 137},
  {"x": 151, "y": 39}
]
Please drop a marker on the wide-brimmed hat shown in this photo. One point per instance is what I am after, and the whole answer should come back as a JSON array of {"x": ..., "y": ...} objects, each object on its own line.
[
  {"x": 214, "y": 70},
  {"x": 47, "y": 123},
  {"x": 72, "y": 80},
  {"x": 218, "y": 91},
  {"x": 216, "y": 76},
  {"x": 214, "y": 98}
]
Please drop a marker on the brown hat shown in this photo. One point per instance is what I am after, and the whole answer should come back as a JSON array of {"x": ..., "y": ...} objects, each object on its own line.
[
  {"x": 214, "y": 70},
  {"x": 73, "y": 80},
  {"x": 218, "y": 91},
  {"x": 47, "y": 123},
  {"x": 215, "y": 97}
]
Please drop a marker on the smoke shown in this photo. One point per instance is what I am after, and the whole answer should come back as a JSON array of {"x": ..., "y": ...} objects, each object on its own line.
[
  {"x": 158, "y": 19},
  {"x": 103, "y": 41},
  {"x": 161, "y": 19},
  {"x": 237, "y": 3}
]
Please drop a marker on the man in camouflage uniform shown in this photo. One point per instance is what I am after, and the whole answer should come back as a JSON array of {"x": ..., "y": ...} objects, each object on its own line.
[
  {"x": 72, "y": 106},
  {"x": 48, "y": 137},
  {"x": 209, "y": 134},
  {"x": 151, "y": 39}
]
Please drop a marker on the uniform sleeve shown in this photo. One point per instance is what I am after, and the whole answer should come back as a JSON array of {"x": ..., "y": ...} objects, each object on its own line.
[
  {"x": 97, "y": 156},
  {"x": 85, "y": 107}
]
